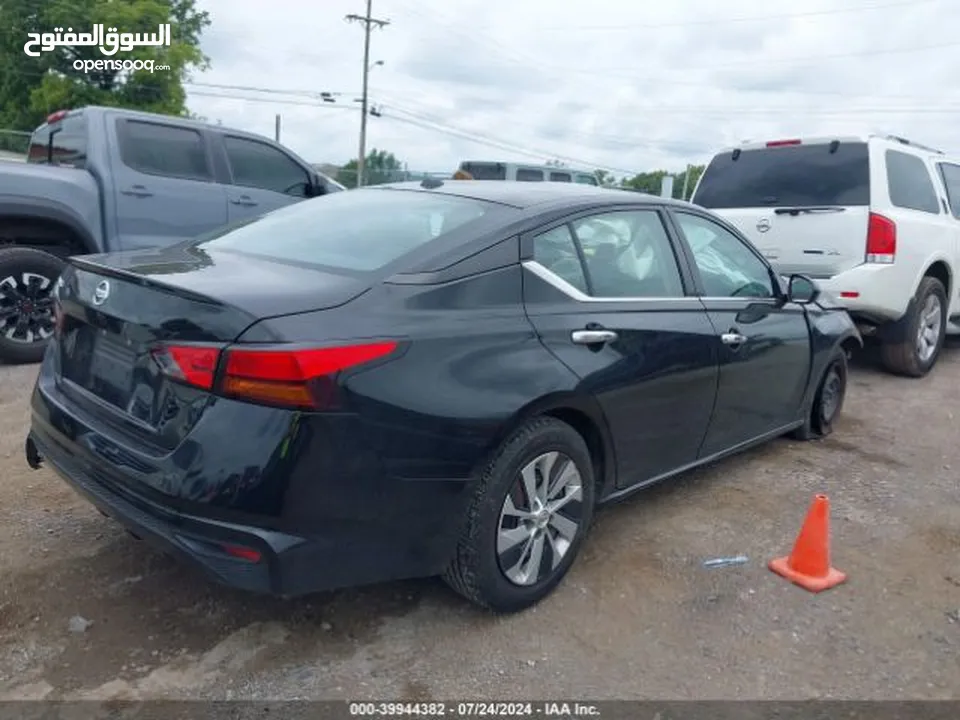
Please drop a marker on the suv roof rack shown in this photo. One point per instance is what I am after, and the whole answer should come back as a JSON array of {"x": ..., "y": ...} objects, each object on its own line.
[{"x": 904, "y": 141}]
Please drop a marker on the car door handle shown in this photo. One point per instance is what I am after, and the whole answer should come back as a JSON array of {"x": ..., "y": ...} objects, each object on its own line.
[
  {"x": 137, "y": 191},
  {"x": 593, "y": 337},
  {"x": 244, "y": 200},
  {"x": 733, "y": 338}
]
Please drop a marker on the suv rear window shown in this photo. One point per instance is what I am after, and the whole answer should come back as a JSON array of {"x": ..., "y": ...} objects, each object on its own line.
[
  {"x": 61, "y": 143},
  {"x": 485, "y": 171},
  {"x": 787, "y": 176},
  {"x": 359, "y": 230}
]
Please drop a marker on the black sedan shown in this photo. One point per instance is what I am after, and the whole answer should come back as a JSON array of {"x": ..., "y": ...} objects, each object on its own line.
[{"x": 416, "y": 380}]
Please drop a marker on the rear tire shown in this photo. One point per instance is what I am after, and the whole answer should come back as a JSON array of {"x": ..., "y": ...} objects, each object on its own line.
[
  {"x": 924, "y": 331},
  {"x": 509, "y": 558},
  {"x": 27, "y": 280},
  {"x": 828, "y": 401}
]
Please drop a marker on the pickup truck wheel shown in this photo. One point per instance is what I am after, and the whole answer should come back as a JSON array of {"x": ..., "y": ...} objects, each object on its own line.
[
  {"x": 924, "y": 332},
  {"x": 27, "y": 279}
]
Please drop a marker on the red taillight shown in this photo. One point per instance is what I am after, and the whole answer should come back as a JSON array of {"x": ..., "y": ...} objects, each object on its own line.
[
  {"x": 191, "y": 364},
  {"x": 57, "y": 116},
  {"x": 242, "y": 553},
  {"x": 881, "y": 240},
  {"x": 781, "y": 143},
  {"x": 849, "y": 294},
  {"x": 293, "y": 378},
  {"x": 298, "y": 378}
]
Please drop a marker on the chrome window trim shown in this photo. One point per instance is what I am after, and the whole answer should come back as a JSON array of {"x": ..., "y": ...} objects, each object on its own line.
[{"x": 574, "y": 293}]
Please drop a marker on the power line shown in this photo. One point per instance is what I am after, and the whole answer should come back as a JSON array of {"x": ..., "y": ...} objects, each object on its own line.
[
  {"x": 477, "y": 137},
  {"x": 368, "y": 22},
  {"x": 476, "y": 36},
  {"x": 734, "y": 20}
]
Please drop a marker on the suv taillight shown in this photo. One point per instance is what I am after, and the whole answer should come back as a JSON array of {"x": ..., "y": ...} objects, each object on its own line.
[{"x": 881, "y": 240}]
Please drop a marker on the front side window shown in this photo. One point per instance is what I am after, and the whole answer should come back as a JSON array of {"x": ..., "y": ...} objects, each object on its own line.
[
  {"x": 951, "y": 180},
  {"x": 728, "y": 267},
  {"x": 258, "y": 165}
]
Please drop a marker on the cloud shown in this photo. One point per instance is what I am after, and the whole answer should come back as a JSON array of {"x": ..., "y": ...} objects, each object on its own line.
[{"x": 611, "y": 83}]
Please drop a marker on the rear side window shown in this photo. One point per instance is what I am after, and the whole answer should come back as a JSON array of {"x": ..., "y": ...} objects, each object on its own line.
[
  {"x": 586, "y": 179},
  {"x": 910, "y": 184},
  {"x": 528, "y": 175},
  {"x": 787, "y": 176},
  {"x": 258, "y": 165},
  {"x": 951, "y": 179},
  {"x": 557, "y": 251},
  {"x": 62, "y": 143},
  {"x": 485, "y": 171},
  {"x": 560, "y": 177},
  {"x": 358, "y": 230},
  {"x": 163, "y": 150}
]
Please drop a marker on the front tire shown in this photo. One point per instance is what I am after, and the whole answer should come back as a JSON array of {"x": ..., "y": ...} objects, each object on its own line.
[
  {"x": 27, "y": 280},
  {"x": 828, "y": 401},
  {"x": 530, "y": 512},
  {"x": 926, "y": 327}
]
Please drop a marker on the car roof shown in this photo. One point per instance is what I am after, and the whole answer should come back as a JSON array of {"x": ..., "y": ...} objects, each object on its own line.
[{"x": 525, "y": 195}]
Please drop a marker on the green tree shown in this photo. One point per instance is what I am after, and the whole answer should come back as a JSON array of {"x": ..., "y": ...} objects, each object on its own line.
[
  {"x": 605, "y": 179},
  {"x": 650, "y": 182},
  {"x": 33, "y": 87},
  {"x": 380, "y": 167}
]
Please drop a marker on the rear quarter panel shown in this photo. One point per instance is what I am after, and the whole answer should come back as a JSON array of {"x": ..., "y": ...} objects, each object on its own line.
[
  {"x": 471, "y": 364},
  {"x": 922, "y": 238}
]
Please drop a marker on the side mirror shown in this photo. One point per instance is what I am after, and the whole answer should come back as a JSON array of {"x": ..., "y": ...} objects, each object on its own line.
[{"x": 802, "y": 290}]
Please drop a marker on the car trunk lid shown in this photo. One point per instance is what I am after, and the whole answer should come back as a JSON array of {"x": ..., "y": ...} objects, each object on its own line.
[
  {"x": 117, "y": 313},
  {"x": 804, "y": 204}
]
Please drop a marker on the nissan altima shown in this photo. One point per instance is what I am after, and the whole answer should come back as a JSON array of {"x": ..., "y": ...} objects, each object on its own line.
[{"x": 412, "y": 380}]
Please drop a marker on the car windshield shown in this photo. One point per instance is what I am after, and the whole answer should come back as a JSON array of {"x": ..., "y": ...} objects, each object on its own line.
[
  {"x": 787, "y": 176},
  {"x": 356, "y": 230}
]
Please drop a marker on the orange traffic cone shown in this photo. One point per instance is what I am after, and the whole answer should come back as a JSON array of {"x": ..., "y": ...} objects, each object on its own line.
[{"x": 809, "y": 564}]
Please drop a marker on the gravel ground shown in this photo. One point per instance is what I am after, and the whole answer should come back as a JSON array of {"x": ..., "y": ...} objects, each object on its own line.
[{"x": 638, "y": 617}]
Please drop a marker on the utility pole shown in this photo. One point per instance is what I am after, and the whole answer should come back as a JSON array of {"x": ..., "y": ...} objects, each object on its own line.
[
  {"x": 368, "y": 22},
  {"x": 686, "y": 181}
]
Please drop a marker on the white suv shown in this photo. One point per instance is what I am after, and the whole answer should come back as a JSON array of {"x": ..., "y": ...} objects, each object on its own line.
[{"x": 873, "y": 220}]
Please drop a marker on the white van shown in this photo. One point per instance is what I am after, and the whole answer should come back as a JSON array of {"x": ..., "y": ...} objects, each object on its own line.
[
  {"x": 873, "y": 220},
  {"x": 486, "y": 170}
]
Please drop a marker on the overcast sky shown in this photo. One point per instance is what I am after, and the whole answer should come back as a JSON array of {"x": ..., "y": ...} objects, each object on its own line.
[{"x": 627, "y": 85}]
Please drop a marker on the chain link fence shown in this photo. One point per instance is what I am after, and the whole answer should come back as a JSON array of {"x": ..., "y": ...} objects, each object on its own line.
[
  {"x": 375, "y": 176},
  {"x": 14, "y": 144}
]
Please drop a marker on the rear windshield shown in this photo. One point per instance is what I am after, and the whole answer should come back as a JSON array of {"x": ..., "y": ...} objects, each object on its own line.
[
  {"x": 791, "y": 176},
  {"x": 356, "y": 230},
  {"x": 485, "y": 170},
  {"x": 60, "y": 143}
]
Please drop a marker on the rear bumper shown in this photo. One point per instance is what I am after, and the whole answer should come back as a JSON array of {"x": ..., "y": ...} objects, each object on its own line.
[
  {"x": 197, "y": 541},
  {"x": 883, "y": 292},
  {"x": 334, "y": 521}
]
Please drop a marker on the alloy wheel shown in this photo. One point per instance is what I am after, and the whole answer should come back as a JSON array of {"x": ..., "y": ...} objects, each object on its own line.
[
  {"x": 540, "y": 518},
  {"x": 26, "y": 307},
  {"x": 928, "y": 334}
]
